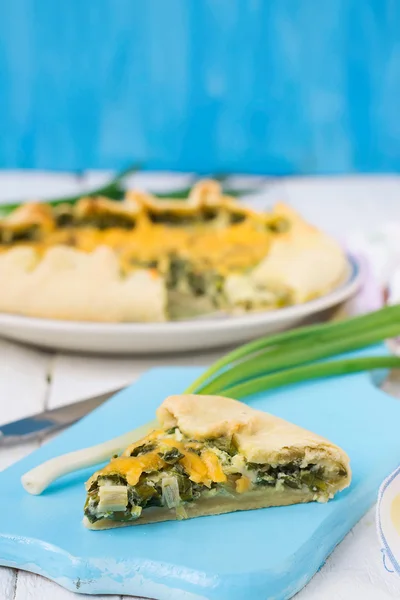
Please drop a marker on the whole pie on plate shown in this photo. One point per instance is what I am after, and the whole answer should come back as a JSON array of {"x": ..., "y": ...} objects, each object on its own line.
[
  {"x": 213, "y": 455},
  {"x": 149, "y": 259}
]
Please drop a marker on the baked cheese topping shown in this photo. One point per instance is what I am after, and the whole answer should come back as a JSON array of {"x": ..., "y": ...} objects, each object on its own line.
[{"x": 214, "y": 243}]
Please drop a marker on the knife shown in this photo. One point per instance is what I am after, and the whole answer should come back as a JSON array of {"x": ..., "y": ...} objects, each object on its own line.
[{"x": 38, "y": 426}]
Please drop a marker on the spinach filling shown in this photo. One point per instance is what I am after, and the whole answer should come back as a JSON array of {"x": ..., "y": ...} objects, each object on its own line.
[
  {"x": 66, "y": 217},
  {"x": 144, "y": 449},
  {"x": 29, "y": 234},
  {"x": 184, "y": 276},
  {"x": 150, "y": 489},
  {"x": 236, "y": 217},
  {"x": 145, "y": 264},
  {"x": 292, "y": 475},
  {"x": 171, "y": 457},
  {"x": 106, "y": 221},
  {"x": 205, "y": 215},
  {"x": 279, "y": 225},
  {"x": 224, "y": 444},
  {"x": 146, "y": 493},
  {"x": 171, "y": 218}
]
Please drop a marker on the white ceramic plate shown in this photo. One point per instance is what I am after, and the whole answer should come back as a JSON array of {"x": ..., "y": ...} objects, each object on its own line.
[{"x": 171, "y": 337}]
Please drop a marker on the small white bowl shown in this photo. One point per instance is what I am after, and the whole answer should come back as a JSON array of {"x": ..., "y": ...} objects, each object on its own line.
[{"x": 388, "y": 521}]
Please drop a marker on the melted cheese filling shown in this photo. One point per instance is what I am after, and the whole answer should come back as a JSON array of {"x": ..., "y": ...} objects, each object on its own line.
[{"x": 232, "y": 248}]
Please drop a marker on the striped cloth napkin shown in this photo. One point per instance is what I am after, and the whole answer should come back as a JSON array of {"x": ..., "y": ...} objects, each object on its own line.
[
  {"x": 380, "y": 251},
  {"x": 371, "y": 294}
]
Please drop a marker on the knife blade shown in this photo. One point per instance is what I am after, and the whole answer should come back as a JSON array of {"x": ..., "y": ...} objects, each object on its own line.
[{"x": 37, "y": 426}]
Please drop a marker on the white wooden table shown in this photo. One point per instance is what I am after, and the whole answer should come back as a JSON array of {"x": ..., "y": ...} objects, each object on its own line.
[{"x": 31, "y": 379}]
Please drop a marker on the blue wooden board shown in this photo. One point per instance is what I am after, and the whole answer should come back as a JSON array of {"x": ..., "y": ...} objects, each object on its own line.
[{"x": 261, "y": 554}]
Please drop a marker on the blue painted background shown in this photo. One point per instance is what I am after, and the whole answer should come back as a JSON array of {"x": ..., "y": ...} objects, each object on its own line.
[{"x": 267, "y": 86}]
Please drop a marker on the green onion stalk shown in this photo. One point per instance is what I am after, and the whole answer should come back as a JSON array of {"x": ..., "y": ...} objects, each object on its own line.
[
  {"x": 113, "y": 189},
  {"x": 299, "y": 355}
]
